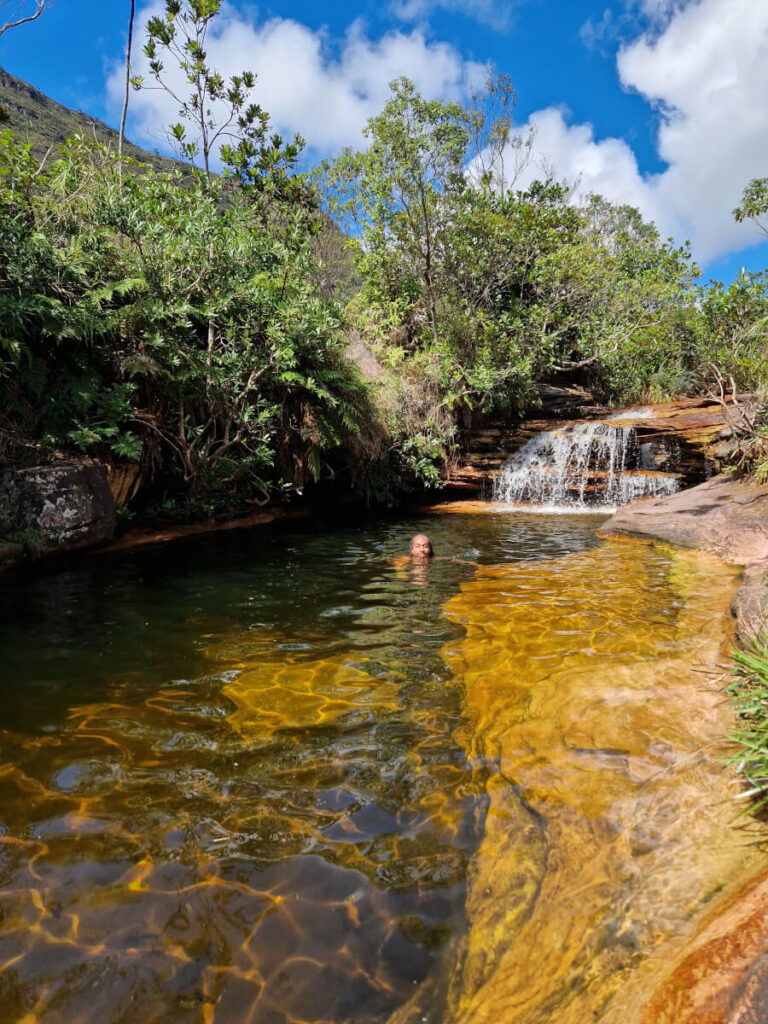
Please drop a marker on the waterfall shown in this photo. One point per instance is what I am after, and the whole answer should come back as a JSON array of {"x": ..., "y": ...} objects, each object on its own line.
[{"x": 585, "y": 465}]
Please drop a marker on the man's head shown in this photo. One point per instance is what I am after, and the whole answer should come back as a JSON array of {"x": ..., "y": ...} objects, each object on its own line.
[{"x": 421, "y": 547}]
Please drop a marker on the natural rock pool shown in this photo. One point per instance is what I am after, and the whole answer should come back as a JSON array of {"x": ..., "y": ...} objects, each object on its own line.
[{"x": 274, "y": 777}]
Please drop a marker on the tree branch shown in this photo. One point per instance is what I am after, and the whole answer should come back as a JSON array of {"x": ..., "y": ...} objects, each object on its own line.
[{"x": 41, "y": 6}]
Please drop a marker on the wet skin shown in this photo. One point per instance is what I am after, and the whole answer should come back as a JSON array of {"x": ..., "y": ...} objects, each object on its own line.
[{"x": 421, "y": 547}]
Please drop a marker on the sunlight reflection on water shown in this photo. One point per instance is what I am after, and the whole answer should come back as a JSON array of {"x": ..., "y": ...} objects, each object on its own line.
[{"x": 244, "y": 778}]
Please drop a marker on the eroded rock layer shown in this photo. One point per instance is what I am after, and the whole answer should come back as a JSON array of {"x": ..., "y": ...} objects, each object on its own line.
[{"x": 684, "y": 433}]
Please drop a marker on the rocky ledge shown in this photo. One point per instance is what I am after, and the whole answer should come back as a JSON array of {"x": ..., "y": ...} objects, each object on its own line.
[
  {"x": 698, "y": 426},
  {"x": 55, "y": 507},
  {"x": 726, "y": 517}
]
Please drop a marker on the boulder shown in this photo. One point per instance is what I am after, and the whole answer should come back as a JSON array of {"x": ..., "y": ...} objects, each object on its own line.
[
  {"x": 60, "y": 507},
  {"x": 725, "y": 516}
]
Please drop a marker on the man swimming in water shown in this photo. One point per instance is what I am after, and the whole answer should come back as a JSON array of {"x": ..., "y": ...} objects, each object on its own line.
[
  {"x": 420, "y": 553},
  {"x": 421, "y": 548}
]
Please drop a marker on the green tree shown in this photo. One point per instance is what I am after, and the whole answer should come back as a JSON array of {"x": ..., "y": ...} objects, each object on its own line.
[
  {"x": 399, "y": 192},
  {"x": 481, "y": 290},
  {"x": 735, "y": 329},
  {"x": 179, "y": 329},
  {"x": 215, "y": 107},
  {"x": 624, "y": 306},
  {"x": 213, "y": 103},
  {"x": 754, "y": 203},
  {"x": 498, "y": 154},
  {"x": 218, "y": 110}
]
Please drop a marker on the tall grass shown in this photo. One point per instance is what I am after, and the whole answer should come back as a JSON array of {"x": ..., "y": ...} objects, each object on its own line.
[{"x": 749, "y": 690}]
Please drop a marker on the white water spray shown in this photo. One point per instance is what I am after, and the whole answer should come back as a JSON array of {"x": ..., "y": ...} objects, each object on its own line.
[{"x": 586, "y": 465}]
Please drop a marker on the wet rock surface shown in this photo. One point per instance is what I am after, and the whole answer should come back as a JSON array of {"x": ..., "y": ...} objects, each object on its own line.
[
  {"x": 716, "y": 975},
  {"x": 719, "y": 975},
  {"x": 616, "y": 952},
  {"x": 694, "y": 426},
  {"x": 750, "y": 603},
  {"x": 726, "y": 517},
  {"x": 64, "y": 507},
  {"x": 591, "y": 699}
]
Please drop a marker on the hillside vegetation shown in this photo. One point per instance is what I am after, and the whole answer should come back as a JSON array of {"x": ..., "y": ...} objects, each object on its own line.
[
  {"x": 198, "y": 323},
  {"x": 46, "y": 124}
]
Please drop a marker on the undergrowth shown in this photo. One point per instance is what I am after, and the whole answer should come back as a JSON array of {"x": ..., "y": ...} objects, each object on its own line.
[{"x": 749, "y": 691}]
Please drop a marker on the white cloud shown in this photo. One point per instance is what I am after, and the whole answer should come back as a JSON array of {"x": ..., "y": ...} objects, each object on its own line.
[
  {"x": 703, "y": 65},
  {"x": 596, "y": 34},
  {"x": 487, "y": 12},
  {"x": 619, "y": 24},
  {"x": 706, "y": 71},
  {"x": 659, "y": 11},
  {"x": 571, "y": 153},
  {"x": 325, "y": 91}
]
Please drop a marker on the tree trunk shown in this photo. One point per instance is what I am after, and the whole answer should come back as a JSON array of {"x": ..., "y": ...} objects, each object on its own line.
[{"x": 127, "y": 85}]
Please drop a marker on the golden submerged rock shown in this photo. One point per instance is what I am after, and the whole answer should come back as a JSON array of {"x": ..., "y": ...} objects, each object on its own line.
[
  {"x": 281, "y": 839},
  {"x": 592, "y": 697}
]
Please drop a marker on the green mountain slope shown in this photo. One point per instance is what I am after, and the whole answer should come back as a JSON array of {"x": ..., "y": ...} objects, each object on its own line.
[{"x": 48, "y": 123}]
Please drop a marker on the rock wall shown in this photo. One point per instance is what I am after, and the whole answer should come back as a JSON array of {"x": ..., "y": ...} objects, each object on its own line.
[{"x": 695, "y": 425}]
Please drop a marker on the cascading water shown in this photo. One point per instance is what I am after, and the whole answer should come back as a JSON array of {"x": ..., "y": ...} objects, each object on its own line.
[{"x": 586, "y": 465}]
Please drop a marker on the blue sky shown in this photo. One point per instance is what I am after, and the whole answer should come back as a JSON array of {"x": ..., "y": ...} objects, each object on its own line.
[{"x": 661, "y": 103}]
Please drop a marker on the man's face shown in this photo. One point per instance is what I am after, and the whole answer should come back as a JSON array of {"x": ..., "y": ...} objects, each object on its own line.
[{"x": 420, "y": 547}]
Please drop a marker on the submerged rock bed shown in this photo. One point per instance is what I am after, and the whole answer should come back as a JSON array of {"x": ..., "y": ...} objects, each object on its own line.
[{"x": 591, "y": 697}]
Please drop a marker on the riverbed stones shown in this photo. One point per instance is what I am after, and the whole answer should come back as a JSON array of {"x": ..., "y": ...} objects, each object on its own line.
[{"x": 57, "y": 507}]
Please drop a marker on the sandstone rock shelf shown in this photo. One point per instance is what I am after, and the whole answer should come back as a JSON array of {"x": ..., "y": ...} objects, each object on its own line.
[{"x": 695, "y": 424}]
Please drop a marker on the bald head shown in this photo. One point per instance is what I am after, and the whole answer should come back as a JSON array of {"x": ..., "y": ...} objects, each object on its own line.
[{"x": 421, "y": 547}]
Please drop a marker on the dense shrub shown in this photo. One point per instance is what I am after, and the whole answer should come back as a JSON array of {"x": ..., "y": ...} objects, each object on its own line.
[
  {"x": 474, "y": 293},
  {"x": 193, "y": 322},
  {"x": 168, "y": 319}
]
